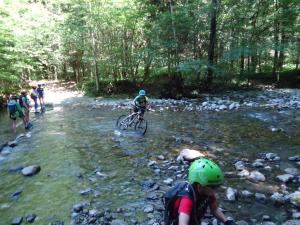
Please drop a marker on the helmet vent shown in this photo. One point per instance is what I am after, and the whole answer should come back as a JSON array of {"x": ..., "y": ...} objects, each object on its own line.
[{"x": 203, "y": 166}]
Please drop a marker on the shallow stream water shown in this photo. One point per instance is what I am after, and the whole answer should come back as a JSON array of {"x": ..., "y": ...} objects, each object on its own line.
[{"x": 71, "y": 143}]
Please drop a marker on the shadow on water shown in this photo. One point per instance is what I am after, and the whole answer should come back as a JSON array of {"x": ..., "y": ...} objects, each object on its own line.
[{"x": 74, "y": 144}]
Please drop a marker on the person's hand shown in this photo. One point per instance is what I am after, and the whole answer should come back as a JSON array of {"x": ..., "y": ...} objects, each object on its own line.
[{"x": 230, "y": 222}]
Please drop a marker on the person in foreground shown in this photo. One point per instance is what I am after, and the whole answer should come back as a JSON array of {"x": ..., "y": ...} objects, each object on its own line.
[
  {"x": 195, "y": 196},
  {"x": 140, "y": 102}
]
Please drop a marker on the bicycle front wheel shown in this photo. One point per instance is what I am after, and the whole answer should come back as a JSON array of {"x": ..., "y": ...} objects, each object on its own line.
[
  {"x": 123, "y": 122},
  {"x": 141, "y": 126}
]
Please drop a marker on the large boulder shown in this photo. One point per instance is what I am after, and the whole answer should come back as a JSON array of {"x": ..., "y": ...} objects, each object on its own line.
[
  {"x": 31, "y": 170},
  {"x": 189, "y": 155}
]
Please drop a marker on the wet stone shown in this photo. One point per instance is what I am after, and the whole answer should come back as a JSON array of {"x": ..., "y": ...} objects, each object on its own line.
[
  {"x": 148, "y": 209},
  {"x": 295, "y": 158},
  {"x": 285, "y": 177},
  {"x": 246, "y": 194},
  {"x": 239, "y": 165},
  {"x": 30, "y": 218},
  {"x": 243, "y": 173},
  {"x": 296, "y": 215},
  {"x": 266, "y": 218},
  {"x": 260, "y": 197},
  {"x": 118, "y": 222},
  {"x": 278, "y": 198},
  {"x": 161, "y": 157},
  {"x": 78, "y": 207},
  {"x": 292, "y": 171},
  {"x": 86, "y": 191},
  {"x": 231, "y": 194},
  {"x": 168, "y": 181},
  {"x": 16, "y": 194},
  {"x": 31, "y": 170},
  {"x": 256, "y": 177},
  {"x": 12, "y": 144},
  {"x": 17, "y": 221}
]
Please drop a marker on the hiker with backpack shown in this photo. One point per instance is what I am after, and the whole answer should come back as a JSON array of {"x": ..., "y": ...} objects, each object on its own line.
[
  {"x": 14, "y": 111},
  {"x": 187, "y": 202},
  {"x": 25, "y": 105},
  {"x": 34, "y": 96}
]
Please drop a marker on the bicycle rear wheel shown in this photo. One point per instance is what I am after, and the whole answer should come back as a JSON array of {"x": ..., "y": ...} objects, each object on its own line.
[
  {"x": 122, "y": 122},
  {"x": 141, "y": 126}
]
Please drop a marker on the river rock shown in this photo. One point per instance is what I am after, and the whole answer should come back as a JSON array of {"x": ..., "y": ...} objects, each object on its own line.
[
  {"x": 272, "y": 157},
  {"x": 260, "y": 197},
  {"x": 239, "y": 165},
  {"x": 256, "y": 176},
  {"x": 168, "y": 181},
  {"x": 285, "y": 177},
  {"x": 30, "y": 218},
  {"x": 12, "y": 143},
  {"x": 161, "y": 157},
  {"x": 242, "y": 222},
  {"x": 295, "y": 158},
  {"x": 78, "y": 207},
  {"x": 147, "y": 184},
  {"x": 296, "y": 215},
  {"x": 31, "y": 170},
  {"x": 118, "y": 222},
  {"x": 244, "y": 173},
  {"x": 86, "y": 191},
  {"x": 231, "y": 194},
  {"x": 268, "y": 223},
  {"x": 292, "y": 222},
  {"x": 16, "y": 194},
  {"x": 292, "y": 171},
  {"x": 258, "y": 163},
  {"x": 189, "y": 155},
  {"x": 246, "y": 194},
  {"x": 94, "y": 213},
  {"x": 295, "y": 198},
  {"x": 278, "y": 198},
  {"x": 17, "y": 221},
  {"x": 152, "y": 163},
  {"x": 148, "y": 209}
]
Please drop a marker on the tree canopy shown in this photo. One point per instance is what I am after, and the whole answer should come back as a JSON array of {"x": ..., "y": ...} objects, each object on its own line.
[{"x": 197, "y": 42}]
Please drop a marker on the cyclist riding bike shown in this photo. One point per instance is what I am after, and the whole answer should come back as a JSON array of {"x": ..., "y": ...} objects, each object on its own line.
[{"x": 140, "y": 102}]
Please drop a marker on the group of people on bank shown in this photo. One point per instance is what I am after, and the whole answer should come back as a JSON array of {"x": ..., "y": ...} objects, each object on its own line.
[{"x": 20, "y": 106}]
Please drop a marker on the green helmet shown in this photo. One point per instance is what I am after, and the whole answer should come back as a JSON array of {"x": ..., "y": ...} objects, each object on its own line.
[{"x": 205, "y": 172}]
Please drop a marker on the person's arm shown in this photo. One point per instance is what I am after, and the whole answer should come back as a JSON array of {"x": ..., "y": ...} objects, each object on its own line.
[
  {"x": 216, "y": 211},
  {"x": 185, "y": 211},
  {"x": 183, "y": 219}
]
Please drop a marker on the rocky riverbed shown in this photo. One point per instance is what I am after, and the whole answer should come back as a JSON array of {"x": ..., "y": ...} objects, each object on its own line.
[{"x": 75, "y": 167}]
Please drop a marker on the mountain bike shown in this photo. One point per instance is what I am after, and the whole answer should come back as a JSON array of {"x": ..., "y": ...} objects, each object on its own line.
[{"x": 135, "y": 120}]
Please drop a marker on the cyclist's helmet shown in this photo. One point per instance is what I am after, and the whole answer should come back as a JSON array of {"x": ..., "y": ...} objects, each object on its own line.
[
  {"x": 205, "y": 172},
  {"x": 142, "y": 92}
]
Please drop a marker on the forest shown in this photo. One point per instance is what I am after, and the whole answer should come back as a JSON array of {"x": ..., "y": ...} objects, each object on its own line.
[{"x": 172, "y": 48}]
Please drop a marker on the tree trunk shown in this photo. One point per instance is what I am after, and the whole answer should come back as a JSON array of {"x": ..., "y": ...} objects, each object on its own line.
[
  {"x": 212, "y": 41},
  {"x": 276, "y": 38}
]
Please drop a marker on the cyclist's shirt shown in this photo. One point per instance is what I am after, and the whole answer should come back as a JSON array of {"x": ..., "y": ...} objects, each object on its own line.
[
  {"x": 40, "y": 91},
  {"x": 185, "y": 205},
  {"x": 141, "y": 101}
]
